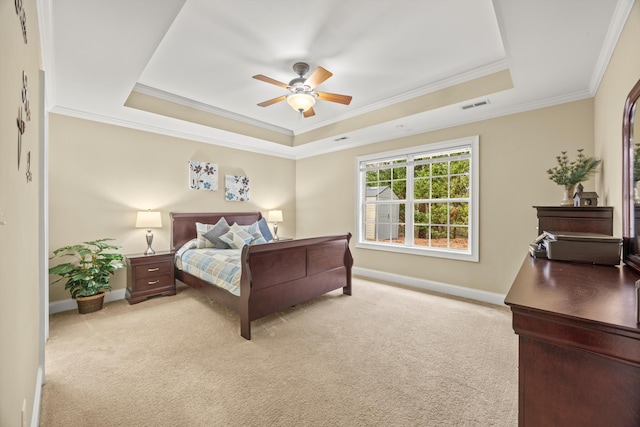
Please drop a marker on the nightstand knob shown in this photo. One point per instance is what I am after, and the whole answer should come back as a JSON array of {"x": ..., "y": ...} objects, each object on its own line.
[
  {"x": 153, "y": 269},
  {"x": 155, "y": 282}
]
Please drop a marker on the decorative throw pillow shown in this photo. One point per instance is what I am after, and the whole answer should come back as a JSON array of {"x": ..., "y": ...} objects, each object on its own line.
[
  {"x": 213, "y": 235},
  {"x": 257, "y": 238},
  {"x": 236, "y": 237},
  {"x": 264, "y": 230},
  {"x": 208, "y": 235}
]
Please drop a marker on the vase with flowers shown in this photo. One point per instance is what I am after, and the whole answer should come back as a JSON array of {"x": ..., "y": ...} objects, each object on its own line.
[{"x": 570, "y": 173}]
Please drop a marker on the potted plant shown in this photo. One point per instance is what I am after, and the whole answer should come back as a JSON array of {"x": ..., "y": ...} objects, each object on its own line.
[
  {"x": 89, "y": 272},
  {"x": 570, "y": 173}
]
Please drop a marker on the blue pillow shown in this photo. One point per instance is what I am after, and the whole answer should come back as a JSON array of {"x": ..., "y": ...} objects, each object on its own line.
[{"x": 264, "y": 229}]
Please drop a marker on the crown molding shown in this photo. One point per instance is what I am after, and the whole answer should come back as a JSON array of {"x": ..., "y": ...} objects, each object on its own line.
[
  {"x": 316, "y": 148},
  {"x": 620, "y": 15},
  {"x": 191, "y": 103},
  {"x": 238, "y": 142}
]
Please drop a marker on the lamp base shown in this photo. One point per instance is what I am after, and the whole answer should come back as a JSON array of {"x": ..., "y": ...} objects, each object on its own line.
[
  {"x": 275, "y": 231},
  {"x": 149, "y": 250}
]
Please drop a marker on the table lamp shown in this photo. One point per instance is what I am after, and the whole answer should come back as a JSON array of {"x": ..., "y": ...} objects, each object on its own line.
[
  {"x": 275, "y": 216},
  {"x": 149, "y": 220}
]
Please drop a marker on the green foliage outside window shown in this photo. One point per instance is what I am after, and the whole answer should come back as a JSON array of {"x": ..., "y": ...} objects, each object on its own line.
[{"x": 436, "y": 180}]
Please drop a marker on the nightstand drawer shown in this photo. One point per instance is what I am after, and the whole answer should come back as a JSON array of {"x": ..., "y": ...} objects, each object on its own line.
[
  {"x": 153, "y": 282},
  {"x": 153, "y": 269}
]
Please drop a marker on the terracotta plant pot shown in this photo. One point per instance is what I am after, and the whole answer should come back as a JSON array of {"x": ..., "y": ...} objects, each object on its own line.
[{"x": 90, "y": 304}]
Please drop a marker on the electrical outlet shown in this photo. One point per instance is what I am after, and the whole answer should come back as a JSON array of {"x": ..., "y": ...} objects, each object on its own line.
[{"x": 23, "y": 416}]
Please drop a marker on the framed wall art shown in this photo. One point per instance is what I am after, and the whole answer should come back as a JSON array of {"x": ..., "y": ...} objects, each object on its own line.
[
  {"x": 236, "y": 188},
  {"x": 203, "y": 175}
]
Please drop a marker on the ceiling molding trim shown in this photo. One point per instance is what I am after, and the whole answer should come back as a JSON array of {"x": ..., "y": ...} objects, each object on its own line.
[
  {"x": 430, "y": 88},
  {"x": 252, "y": 145},
  {"x": 620, "y": 15},
  {"x": 187, "y": 102},
  {"x": 433, "y": 87},
  {"x": 318, "y": 148},
  {"x": 323, "y": 147}
]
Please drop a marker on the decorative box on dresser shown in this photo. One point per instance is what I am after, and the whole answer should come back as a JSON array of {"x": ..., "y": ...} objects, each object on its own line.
[
  {"x": 596, "y": 219},
  {"x": 149, "y": 275}
]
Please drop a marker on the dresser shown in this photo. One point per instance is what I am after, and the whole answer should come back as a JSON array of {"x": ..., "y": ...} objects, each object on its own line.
[
  {"x": 579, "y": 344},
  {"x": 149, "y": 275}
]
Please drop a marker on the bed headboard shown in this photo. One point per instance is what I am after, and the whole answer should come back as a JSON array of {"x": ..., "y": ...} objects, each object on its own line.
[{"x": 183, "y": 225}]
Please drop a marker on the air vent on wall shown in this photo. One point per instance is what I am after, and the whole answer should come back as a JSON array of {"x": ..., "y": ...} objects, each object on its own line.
[{"x": 475, "y": 104}]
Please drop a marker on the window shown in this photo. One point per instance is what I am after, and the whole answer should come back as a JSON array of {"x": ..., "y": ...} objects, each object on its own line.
[{"x": 421, "y": 200}]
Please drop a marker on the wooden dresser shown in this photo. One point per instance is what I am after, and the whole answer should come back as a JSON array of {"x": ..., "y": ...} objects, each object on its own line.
[{"x": 579, "y": 344}]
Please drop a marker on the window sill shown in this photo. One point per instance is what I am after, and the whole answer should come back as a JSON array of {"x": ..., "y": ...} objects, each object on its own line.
[{"x": 430, "y": 252}]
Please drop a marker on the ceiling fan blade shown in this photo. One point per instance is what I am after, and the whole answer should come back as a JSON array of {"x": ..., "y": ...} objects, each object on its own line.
[
  {"x": 270, "y": 80},
  {"x": 317, "y": 77},
  {"x": 272, "y": 101},
  {"x": 334, "y": 97},
  {"x": 309, "y": 113}
]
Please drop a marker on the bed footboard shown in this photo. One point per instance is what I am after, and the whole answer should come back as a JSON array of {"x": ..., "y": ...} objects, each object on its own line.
[{"x": 278, "y": 275}]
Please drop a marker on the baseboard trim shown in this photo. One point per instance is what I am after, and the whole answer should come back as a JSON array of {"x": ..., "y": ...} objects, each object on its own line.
[
  {"x": 429, "y": 285},
  {"x": 71, "y": 304},
  {"x": 37, "y": 398}
]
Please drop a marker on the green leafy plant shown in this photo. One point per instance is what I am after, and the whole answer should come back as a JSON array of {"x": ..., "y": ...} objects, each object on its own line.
[
  {"x": 573, "y": 172},
  {"x": 89, "y": 273}
]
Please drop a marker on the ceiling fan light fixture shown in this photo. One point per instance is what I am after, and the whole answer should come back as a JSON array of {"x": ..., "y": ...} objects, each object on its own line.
[{"x": 301, "y": 101}]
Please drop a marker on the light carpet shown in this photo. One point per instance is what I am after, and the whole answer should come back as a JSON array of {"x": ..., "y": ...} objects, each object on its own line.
[{"x": 386, "y": 356}]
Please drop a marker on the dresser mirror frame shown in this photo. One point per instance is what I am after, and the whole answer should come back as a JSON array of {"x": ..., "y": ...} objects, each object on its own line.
[{"x": 630, "y": 211}]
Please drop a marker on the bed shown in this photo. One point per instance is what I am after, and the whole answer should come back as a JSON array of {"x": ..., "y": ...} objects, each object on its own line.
[{"x": 275, "y": 275}]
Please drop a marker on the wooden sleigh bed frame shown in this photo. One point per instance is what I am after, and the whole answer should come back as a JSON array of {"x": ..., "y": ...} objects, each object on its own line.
[{"x": 275, "y": 275}]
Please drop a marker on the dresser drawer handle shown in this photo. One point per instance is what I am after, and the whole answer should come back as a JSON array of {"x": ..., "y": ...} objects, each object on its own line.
[
  {"x": 152, "y": 269},
  {"x": 155, "y": 282}
]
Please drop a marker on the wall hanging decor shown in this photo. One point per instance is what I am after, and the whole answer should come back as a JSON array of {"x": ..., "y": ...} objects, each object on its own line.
[
  {"x": 25, "y": 96},
  {"x": 23, "y": 18},
  {"x": 236, "y": 188},
  {"x": 203, "y": 176},
  {"x": 21, "y": 127},
  {"x": 29, "y": 174}
]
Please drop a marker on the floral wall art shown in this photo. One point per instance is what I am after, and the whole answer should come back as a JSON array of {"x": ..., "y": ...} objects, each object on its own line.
[
  {"x": 203, "y": 176},
  {"x": 236, "y": 188}
]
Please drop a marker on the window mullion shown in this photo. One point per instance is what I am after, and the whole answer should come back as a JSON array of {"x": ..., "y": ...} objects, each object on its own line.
[{"x": 408, "y": 209}]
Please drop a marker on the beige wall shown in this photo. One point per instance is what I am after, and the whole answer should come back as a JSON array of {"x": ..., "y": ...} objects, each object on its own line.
[
  {"x": 101, "y": 175},
  {"x": 19, "y": 207},
  {"x": 622, "y": 74},
  {"x": 515, "y": 152}
]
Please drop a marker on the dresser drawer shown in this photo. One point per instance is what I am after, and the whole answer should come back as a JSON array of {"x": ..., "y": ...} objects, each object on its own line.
[
  {"x": 154, "y": 282},
  {"x": 153, "y": 269}
]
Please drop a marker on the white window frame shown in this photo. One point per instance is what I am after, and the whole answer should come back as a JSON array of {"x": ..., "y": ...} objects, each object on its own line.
[{"x": 472, "y": 252}]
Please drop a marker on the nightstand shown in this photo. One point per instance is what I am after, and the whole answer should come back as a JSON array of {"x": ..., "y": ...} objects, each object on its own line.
[{"x": 149, "y": 275}]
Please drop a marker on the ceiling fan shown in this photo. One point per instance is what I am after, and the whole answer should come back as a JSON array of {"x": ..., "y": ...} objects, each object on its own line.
[{"x": 302, "y": 95}]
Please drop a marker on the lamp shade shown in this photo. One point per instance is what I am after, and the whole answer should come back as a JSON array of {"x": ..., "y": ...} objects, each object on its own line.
[
  {"x": 274, "y": 216},
  {"x": 301, "y": 101},
  {"x": 148, "y": 219}
]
